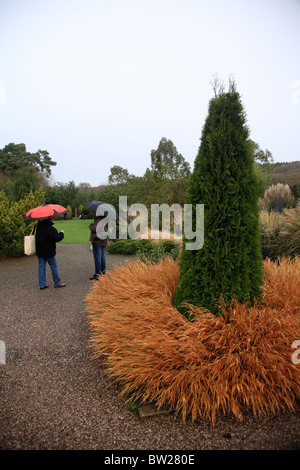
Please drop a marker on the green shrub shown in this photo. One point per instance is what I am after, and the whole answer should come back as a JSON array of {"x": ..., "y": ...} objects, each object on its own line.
[
  {"x": 229, "y": 265},
  {"x": 170, "y": 245},
  {"x": 158, "y": 251},
  {"x": 13, "y": 226},
  {"x": 145, "y": 250},
  {"x": 69, "y": 214},
  {"x": 128, "y": 247}
]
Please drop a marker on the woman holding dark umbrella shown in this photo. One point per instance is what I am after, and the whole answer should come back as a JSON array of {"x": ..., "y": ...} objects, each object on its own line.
[
  {"x": 99, "y": 233},
  {"x": 46, "y": 238},
  {"x": 99, "y": 245}
]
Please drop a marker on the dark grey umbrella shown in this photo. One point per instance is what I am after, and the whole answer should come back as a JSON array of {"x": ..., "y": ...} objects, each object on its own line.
[{"x": 105, "y": 209}]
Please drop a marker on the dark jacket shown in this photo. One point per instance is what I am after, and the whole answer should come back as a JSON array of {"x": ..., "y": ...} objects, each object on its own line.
[
  {"x": 46, "y": 238},
  {"x": 93, "y": 229}
]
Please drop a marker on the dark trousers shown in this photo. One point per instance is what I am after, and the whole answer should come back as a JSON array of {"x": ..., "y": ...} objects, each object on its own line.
[{"x": 99, "y": 259}]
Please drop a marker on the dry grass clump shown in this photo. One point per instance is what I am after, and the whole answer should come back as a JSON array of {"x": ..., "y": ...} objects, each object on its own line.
[
  {"x": 274, "y": 191},
  {"x": 239, "y": 360},
  {"x": 281, "y": 232},
  {"x": 289, "y": 235},
  {"x": 281, "y": 290},
  {"x": 270, "y": 221}
]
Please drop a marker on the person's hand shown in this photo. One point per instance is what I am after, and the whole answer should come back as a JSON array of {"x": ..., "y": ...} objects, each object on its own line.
[{"x": 62, "y": 231}]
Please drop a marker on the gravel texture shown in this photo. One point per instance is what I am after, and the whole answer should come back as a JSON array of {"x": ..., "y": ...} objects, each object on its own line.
[{"x": 54, "y": 397}]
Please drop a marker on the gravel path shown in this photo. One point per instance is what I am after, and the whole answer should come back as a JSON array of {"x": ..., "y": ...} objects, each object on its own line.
[{"x": 53, "y": 396}]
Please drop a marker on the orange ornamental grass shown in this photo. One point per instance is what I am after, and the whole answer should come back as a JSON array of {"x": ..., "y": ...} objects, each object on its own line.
[{"x": 239, "y": 360}]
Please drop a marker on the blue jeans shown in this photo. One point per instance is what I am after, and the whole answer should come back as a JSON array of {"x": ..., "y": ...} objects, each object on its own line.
[
  {"x": 42, "y": 271},
  {"x": 99, "y": 259}
]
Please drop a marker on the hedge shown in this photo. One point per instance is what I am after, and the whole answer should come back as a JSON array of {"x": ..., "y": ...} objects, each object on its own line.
[{"x": 13, "y": 226}]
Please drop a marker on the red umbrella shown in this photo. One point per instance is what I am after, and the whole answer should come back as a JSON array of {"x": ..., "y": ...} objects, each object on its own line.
[{"x": 46, "y": 211}]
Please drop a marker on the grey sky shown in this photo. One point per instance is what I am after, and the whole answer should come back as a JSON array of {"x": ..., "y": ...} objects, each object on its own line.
[{"x": 98, "y": 83}]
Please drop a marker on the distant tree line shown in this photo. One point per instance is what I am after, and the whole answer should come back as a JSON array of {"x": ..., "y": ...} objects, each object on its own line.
[{"x": 165, "y": 181}]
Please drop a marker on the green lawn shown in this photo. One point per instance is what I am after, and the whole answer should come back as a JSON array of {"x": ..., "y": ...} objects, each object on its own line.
[{"x": 76, "y": 231}]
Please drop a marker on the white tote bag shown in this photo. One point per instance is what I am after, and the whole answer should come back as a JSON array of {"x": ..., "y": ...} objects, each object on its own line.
[{"x": 29, "y": 243}]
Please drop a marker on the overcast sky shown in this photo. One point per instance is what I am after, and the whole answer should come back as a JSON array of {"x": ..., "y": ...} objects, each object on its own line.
[{"x": 98, "y": 83}]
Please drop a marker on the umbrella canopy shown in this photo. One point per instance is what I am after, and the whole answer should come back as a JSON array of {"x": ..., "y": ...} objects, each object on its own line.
[
  {"x": 46, "y": 211},
  {"x": 105, "y": 208}
]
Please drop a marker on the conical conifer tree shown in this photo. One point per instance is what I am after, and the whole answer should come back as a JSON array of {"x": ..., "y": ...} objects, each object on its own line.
[{"x": 229, "y": 265}]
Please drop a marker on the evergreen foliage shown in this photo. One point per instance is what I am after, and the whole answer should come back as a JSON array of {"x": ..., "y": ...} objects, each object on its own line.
[
  {"x": 13, "y": 226},
  {"x": 15, "y": 156},
  {"x": 230, "y": 263}
]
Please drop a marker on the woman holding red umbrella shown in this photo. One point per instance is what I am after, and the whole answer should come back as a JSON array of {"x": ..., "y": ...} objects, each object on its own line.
[{"x": 46, "y": 238}]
